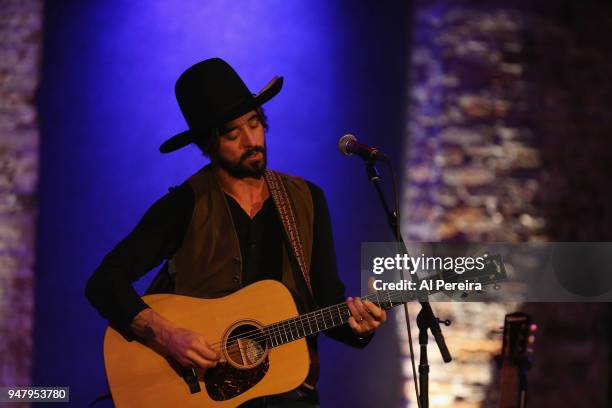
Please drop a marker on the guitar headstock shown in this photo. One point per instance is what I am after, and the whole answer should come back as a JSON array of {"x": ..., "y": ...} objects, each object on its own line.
[
  {"x": 492, "y": 273},
  {"x": 519, "y": 335}
]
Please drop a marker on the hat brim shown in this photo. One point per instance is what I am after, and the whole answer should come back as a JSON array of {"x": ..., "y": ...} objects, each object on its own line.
[{"x": 184, "y": 138}]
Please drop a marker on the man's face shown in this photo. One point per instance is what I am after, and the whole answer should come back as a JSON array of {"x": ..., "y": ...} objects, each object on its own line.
[{"x": 242, "y": 147}]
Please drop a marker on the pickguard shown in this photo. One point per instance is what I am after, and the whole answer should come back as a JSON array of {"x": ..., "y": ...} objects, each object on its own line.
[{"x": 226, "y": 381}]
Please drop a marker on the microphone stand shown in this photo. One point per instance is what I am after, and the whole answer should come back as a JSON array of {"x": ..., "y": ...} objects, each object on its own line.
[{"x": 426, "y": 320}]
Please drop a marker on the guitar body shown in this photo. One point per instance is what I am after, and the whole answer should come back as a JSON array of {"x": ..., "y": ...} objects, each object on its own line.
[{"x": 140, "y": 376}]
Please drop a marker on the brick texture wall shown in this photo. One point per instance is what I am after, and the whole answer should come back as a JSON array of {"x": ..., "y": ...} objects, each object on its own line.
[
  {"x": 509, "y": 130},
  {"x": 20, "y": 42}
]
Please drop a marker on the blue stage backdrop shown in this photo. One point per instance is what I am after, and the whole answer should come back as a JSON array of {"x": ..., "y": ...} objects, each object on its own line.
[{"x": 106, "y": 103}]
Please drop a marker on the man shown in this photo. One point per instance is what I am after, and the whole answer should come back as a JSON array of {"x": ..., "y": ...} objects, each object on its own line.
[{"x": 221, "y": 230}]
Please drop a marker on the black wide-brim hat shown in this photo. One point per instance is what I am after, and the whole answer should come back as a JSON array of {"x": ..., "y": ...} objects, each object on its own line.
[{"x": 210, "y": 93}]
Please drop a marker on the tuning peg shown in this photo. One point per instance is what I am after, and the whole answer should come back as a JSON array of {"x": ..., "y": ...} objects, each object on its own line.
[{"x": 444, "y": 322}]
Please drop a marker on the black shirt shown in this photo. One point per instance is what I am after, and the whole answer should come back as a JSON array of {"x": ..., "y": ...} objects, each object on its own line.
[
  {"x": 160, "y": 233},
  {"x": 260, "y": 240}
]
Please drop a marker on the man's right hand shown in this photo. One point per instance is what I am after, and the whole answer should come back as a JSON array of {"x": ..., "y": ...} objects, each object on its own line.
[{"x": 188, "y": 348}]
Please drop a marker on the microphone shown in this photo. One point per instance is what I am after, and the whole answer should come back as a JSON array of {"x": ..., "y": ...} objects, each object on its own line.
[{"x": 349, "y": 145}]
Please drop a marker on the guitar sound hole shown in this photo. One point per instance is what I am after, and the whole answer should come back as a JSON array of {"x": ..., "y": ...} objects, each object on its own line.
[{"x": 245, "y": 345}]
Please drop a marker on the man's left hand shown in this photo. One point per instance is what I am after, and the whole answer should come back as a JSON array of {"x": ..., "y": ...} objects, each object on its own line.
[{"x": 365, "y": 316}]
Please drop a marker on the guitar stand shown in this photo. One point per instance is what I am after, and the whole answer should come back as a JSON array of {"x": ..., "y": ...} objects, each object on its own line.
[{"x": 426, "y": 320}]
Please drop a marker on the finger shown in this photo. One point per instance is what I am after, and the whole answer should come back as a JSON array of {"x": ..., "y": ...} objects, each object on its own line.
[
  {"x": 359, "y": 328},
  {"x": 204, "y": 350},
  {"x": 365, "y": 327},
  {"x": 199, "y": 361},
  {"x": 373, "y": 309},
  {"x": 185, "y": 362},
  {"x": 364, "y": 312},
  {"x": 354, "y": 325},
  {"x": 214, "y": 354},
  {"x": 354, "y": 312}
]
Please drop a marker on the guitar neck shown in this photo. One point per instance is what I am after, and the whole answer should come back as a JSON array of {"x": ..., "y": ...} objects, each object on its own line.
[
  {"x": 332, "y": 316},
  {"x": 326, "y": 318},
  {"x": 512, "y": 390},
  {"x": 515, "y": 361}
]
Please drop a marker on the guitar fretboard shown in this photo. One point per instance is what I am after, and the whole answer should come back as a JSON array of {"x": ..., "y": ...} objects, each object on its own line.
[{"x": 326, "y": 318}]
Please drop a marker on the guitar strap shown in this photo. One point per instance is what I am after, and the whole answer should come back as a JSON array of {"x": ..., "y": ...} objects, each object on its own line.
[{"x": 279, "y": 194}]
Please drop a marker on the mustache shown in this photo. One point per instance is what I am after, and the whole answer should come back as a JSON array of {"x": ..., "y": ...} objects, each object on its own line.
[{"x": 252, "y": 151}]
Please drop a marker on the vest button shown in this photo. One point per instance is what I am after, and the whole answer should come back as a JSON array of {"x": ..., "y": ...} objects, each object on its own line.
[
  {"x": 236, "y": 278},
  {"x": 236, "y": 260}
]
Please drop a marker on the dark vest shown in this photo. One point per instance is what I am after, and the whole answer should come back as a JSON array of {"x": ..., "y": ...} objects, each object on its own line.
[{"x": 209, "y": 263}]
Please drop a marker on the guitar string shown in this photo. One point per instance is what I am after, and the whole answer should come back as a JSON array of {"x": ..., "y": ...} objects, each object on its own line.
[{"x": 317, "y": 316}]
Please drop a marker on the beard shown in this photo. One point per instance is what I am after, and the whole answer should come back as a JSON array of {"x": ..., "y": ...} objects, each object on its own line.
[{"x": 242, "y": 169}]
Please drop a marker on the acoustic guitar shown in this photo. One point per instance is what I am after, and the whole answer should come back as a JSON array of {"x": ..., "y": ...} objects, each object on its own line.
[{"x": 257, "y": 331}]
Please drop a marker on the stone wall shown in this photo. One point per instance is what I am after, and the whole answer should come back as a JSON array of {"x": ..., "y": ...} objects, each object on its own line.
[
  {"x": 509, "y": 129},
  {"x": 20, "y": 43}
]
